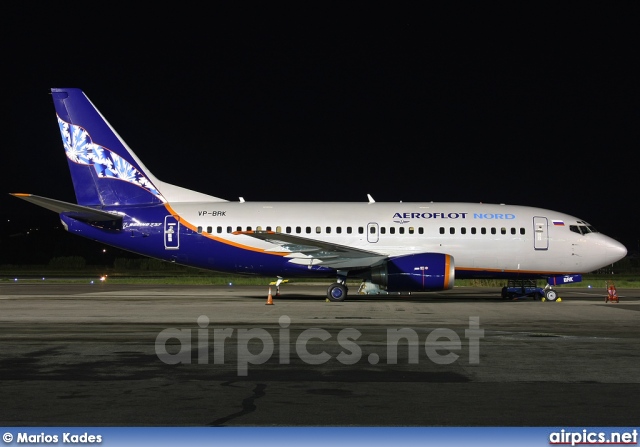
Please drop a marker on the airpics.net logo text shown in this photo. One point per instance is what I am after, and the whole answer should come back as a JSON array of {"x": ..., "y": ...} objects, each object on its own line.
[{"x": 256, "y": 346}]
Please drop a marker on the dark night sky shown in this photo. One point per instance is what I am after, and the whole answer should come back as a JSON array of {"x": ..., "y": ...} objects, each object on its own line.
[{"x": 536, "y": 104}]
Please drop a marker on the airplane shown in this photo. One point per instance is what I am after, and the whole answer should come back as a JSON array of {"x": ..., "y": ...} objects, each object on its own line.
[{"x": 392, "y": 247}]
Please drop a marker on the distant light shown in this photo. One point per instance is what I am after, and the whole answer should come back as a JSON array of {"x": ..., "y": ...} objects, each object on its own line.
[
  {"x": 230, "y": 283},
  {"x": 104, "y": 250},
  {"x": 43, "y": 278},
  {"x": 92, "y": 281},
  {"x": 589, "y": 286},
  {"x": 102, "y": 278},
  {"x": 15, "y": 279}
]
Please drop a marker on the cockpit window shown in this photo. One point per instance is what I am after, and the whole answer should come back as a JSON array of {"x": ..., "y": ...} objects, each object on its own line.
[{"x": 583, "y": 228}]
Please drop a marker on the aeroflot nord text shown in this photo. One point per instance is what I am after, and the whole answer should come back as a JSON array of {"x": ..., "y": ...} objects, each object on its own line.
[{"x": 452, "y": 216}]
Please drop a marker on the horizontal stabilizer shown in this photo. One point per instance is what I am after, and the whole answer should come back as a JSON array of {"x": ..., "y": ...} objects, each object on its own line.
[{"x": 79, "y": 212}]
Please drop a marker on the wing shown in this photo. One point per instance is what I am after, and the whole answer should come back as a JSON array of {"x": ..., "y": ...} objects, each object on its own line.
[{"x": 312, "y": 252}]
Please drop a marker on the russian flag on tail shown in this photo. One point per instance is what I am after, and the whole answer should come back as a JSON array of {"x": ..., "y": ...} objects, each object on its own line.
[{"x": 558, "y": 223}]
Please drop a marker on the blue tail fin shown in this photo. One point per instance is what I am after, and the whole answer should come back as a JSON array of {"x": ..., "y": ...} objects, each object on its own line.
[{"x": 104, "y": 170}]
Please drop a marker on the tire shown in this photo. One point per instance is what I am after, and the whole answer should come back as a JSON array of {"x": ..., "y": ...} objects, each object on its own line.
[
  {"x": 551, "y": 295},
  {"x": 337, "y": 292}
]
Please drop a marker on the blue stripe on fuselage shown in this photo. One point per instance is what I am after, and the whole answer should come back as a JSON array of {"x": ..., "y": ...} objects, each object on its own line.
[{"x": 143, "y": 233}]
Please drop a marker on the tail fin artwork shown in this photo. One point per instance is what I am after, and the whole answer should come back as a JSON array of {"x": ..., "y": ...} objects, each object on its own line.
[{"x": 104, "y": 170}]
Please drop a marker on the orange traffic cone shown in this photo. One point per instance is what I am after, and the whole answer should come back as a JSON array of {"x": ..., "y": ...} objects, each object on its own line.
[{"x": 269, "y": 298}]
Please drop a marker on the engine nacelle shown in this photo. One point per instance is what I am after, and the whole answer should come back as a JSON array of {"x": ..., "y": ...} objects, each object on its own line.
[{"x": 421, "y": 272}]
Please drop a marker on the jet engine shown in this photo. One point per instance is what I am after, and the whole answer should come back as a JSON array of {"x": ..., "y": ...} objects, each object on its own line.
[{"x": 420, "y": 272}]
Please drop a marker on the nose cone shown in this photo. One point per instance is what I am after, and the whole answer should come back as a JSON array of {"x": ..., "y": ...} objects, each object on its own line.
[
  {"x": 599, "y": 251},
  {"x": 614, "y": 250}
]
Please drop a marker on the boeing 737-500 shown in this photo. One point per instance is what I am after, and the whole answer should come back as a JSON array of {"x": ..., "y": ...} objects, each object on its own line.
[{"x": 390, "y": 246}]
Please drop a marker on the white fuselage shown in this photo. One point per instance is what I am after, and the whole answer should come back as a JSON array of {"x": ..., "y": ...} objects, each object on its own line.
[{"x": 477, "y": 235}]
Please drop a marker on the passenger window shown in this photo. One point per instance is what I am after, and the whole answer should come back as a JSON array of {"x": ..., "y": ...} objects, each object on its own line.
[
  {"x": 463, "y": 230},
  {"x": 493, "y": 230},
  {"x": 473, "y": 230},
  {"x": 503, "y": 230},
  {"x": 420, "y": 230},
  {"x": 308, "y": 229},
  {"x": 219, "y": 229},
  {"x": 401, "y": 230},
  {"x": 328, "y": 230},
  {"x": 229, "y": 230},
  {"x": 513, "y": 230},
  {"x": 349, "y": 230},
  {"x": 318, "y": 230},
  {"x": 521, "y": 230},
  {"x": 441, "y": 230},
  {"x": 338, "y": 230},
  {"x": 452, "y": 230},
  {"x": 411, "y": 230},
  {"x": 360, "y": 230},
  {"x": 298, "y": 230},
  {"x": 392, "y": 230},
  {"x": 383, "y": 230},
  {"x": 483, "y": 230},
  {"x": 199, "y": 230}
]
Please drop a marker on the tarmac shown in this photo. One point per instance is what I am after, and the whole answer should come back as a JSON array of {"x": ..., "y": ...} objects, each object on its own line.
[{"x": 135, "y": 355}]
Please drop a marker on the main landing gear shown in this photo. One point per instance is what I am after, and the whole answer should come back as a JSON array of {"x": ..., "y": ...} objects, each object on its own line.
[{"x": 338, "y": 291}]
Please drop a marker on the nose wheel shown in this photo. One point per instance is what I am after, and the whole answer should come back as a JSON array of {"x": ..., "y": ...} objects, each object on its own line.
[{"x": 550, "y": 295}]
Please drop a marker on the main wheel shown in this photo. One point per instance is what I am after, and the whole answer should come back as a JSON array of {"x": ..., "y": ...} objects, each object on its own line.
[
  {"x": 551, "y": 295},
  {"x": 337, "y": 292}
]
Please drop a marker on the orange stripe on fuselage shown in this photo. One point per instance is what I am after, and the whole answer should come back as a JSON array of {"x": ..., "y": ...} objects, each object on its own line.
[{"x": 223, "y": 241}]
